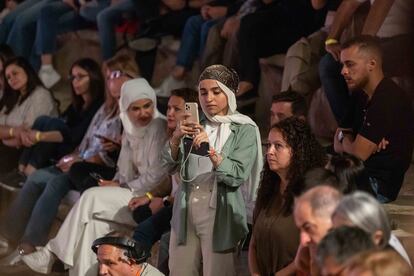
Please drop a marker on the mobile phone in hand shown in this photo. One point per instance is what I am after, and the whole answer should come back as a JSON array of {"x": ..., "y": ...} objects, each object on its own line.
[{"x": 192, "y": 109}]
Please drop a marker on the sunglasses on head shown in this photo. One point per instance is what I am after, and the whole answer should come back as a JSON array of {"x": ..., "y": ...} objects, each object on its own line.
[{"x": 117, "y": 74}]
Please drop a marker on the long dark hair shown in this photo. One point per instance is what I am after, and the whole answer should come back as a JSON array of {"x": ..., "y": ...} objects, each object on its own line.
[
  {"x": 96, "y": 82},
  {"x": 11, "y": 97},
  {"x": 5, "y": 53},
  {"x": 307, "y": 153}
]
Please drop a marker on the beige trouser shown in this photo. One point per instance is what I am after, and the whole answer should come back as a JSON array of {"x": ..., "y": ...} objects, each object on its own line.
[{"x": 185, "y": 260}]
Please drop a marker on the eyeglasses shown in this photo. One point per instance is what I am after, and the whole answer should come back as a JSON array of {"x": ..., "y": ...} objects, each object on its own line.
[
  {"x": 117, "y": 74},
  {"x": 77, "y": 77}
]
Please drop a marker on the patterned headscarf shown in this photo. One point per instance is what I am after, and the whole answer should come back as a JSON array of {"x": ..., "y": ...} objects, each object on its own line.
[{"x": 225, "y": 75}]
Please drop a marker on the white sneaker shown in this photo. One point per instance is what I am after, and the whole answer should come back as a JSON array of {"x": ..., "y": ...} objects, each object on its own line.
[
  {"x": 4, "y": 245},
  {"x": 167, "y": 85},
  {"x": 49, "y": 76},
  {"x": 40, "y": 261},
  {"x": 11, "y": 259}
]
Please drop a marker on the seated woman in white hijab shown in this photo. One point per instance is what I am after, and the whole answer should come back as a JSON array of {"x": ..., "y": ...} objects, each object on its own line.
[{"x": 103, "y": 209}]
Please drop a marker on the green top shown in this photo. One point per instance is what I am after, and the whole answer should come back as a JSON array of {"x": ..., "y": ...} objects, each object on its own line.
[{"x": 230, "y": 226}]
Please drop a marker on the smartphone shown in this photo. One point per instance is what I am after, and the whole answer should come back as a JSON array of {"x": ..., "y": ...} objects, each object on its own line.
[
  {"x": 192, "y": 109},
  {"x": 96, "y": 176},
  {"x": 106, "y": 139}
]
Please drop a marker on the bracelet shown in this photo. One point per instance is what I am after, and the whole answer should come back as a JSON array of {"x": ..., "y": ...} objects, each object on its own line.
[
  {"x": 11, "y": 130},
  {"x": 331, "y": 41},
  {"x": 37, "y": 137},
  {"x": 149, "y": 195}
]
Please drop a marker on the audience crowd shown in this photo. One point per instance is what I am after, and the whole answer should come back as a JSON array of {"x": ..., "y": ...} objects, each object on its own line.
[{"x": 201, "y": 179}]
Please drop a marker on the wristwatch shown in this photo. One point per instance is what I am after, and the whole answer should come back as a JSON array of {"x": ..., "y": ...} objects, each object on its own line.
[{"x": 341, "y": 136}]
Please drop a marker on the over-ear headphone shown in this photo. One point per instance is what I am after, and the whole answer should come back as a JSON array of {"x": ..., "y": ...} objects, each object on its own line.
[{"x": 134, "y": 249}]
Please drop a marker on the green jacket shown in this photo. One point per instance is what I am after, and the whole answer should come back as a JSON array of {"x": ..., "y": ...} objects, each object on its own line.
[{"x": 230, "y": 226}]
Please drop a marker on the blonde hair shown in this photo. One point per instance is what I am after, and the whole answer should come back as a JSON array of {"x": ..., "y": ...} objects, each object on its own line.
[
  {"x": 127, "y": 65},
  {"x": 124, "y": 63}
]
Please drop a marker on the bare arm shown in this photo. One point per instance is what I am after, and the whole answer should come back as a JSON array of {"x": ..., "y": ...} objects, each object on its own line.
[
  {"x": 343, "y": 17},
  {"x": 254, "y": 271},
  {"x": 290, "y": 269},
  {"x": 51, "y": 136},
  {"x": 31, "y": 137},
  {"x": 5, "y": 132},
  {"x": 318, "y": 4},
  {"x": 361, "y": 147},
  {"x": 376, "y": 16}
]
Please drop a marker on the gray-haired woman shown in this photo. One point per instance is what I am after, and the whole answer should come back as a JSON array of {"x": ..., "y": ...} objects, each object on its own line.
[{"x": 364, "y": 211}]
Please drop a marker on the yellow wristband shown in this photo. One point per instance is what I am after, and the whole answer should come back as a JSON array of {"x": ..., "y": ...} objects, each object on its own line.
[
  {"x": 331, "y": 41},
  {"x": 149, "y": 195},
  {"x": 11, "y": 130},
  {"x": 37, "y": 137}
]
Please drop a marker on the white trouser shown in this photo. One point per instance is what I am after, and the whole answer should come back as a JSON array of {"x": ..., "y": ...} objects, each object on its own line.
[{"x": 98, "y": 211}]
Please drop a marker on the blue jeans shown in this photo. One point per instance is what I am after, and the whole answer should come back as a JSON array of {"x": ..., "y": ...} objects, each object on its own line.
[
  {"x": 22, "y": 33},
  {"x": 150, "y": 230},
  {"x": 107, "y": 20},
  {"x": 57, "y": 17},
  {"x": 375, "y": 188},
  {"x": 334, "y": 86},
  {"x": 193, "y": 40},
  {"x": 32, "y": 213},
  {"x": 8, "y": 21}
]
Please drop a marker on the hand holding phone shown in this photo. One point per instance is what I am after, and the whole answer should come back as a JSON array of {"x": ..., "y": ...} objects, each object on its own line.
[{"x": 66, "y": 162}]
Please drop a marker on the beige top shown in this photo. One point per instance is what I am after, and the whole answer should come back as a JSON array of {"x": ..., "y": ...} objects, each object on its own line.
[
  {"x": 398, "y": 20},
  {"x": 39, "y": 103}
]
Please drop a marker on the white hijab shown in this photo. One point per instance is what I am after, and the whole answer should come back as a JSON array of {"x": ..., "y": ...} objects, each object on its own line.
[
  {"x": 249, "y": 189},
  {"x": 131, "y": 91}
]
